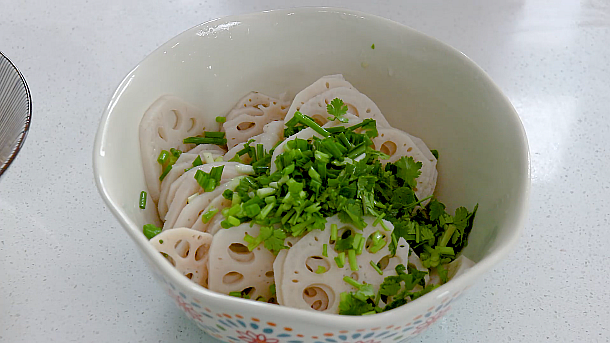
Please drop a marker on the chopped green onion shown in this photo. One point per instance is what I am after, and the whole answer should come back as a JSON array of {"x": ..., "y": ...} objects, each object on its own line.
[
  {"x": 307, "y": 121},
  {"x": 333, "y": 148},
  {"x": 288, "y": 170},
  {"x": 216, "y": 173},
  {"x": 266, "y": 210},
  {"x": 234, "y": 210},
  {"x": 356, "y": 242},
  {"x": 325, "y": 250},
  {"x": 235, "y": 158},
  {"x": 351, "y": 256},
  {"x": 264, "y": 192},
  {"x": 373, "y": 46},
  {"x": 219, "y": 159},
  {"x": 252, "y": 210},
  {"x": 322, "y": 157},
  {"x": 378, "y": 220},
  {"x": 352, "y": 282},
  {"x": 233, "y": 221},
  {"x": 175, "y": 153},
  {"x": 213, "y": 134},
  {"x": 334, "y": 229},
  {"x": 376, "y": 267},
  {"x": 197, "y": 161},
  {"x": 150, "y": 230},
  {"x": 357, "y": 151},
  {"x": 447, "y": 235},
  {"x": 143, "y": 200},
  {"x": 163, "y": 156},
  {"x": 209, "y": 214},
  {"x": 320, "y": 270},
  {"x": 205, "y": 180},
  {"x": 165, "y": 172},
  {"x": 360, "y": 246},
  {"x": 340, "y": 259},
  {"x": 446, "y": 251},
  {"x": 245, "y": 169},
  {"x": 205, "y": 140},
  {"x": 234, "y": 294},
  {"x": 221, "y": 119}
]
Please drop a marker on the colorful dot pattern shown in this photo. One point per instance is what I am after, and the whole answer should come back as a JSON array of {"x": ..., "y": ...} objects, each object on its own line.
[{"x": 237, "y": 328}]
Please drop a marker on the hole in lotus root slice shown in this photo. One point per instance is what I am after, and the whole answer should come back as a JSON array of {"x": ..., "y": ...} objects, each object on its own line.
[
  {"x": 383, "y": 262},
  {"x": 318, "y": 297},
  {"x": 202, "y": 252},
  {"x": 245, "y": 125},
  {"x": 169, "y": 258},
  {"x": 177, "y": 119},
  {"x": 239, "y": 252},
  {"x": 193, "y": 123},
  {"x": 355, "y": 276},
  {"x": 353, "y": 110},
  {"x": 162, "y": 135},
  {"x": 388, "y": 148},
  {"x": 182, "y": 248},
  {"x": 232, "y": 277},
  {"x": 314, "y": 262},
  {"x": 343, "y": 233},
  {"x": 319, "y": 119},
  {"x": 248, "y": 291},
  {"x": 381, "y": 236}
]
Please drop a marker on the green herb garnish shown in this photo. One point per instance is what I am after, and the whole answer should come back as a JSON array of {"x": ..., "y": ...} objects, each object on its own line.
[
  {"x": 143, "y": 200},
  {"x": 337, "y": 109},
  {"x": 150, "y": 230}
]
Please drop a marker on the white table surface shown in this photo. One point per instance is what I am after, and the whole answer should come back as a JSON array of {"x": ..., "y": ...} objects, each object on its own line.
[{"x": 69, "y": 273}]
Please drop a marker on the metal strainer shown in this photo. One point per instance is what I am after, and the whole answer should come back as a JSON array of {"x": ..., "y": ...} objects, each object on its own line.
[{"x": 15, "y": 112}]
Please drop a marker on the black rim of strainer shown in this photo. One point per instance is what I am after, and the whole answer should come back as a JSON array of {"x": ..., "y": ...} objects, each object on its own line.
[{"x": 28, "y": 119}]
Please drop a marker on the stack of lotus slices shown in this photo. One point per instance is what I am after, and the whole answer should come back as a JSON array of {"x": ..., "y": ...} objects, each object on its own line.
[{"x": 218, "y": 258}]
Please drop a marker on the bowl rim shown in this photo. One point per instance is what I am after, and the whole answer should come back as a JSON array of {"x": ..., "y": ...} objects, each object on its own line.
[
  {"x": 28, "y": 119},
  {"x": 311, "y": 317}
]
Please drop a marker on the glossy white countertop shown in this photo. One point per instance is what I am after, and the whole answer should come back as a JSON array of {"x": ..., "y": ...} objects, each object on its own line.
[{"x": 69, "y": 273}]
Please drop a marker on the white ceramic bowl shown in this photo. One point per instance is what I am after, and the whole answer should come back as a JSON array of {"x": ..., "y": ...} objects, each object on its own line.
[{"x": 421, "y": 85}]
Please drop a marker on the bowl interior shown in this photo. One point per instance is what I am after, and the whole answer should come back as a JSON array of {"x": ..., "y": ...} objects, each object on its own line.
[
  {"x": 421, "y": 85},
  {"x": 15, "y": 112}
]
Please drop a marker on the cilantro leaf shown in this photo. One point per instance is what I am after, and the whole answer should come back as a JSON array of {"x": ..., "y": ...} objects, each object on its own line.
[
  {"x": 337, "y": 109},
  {"x": 351, "y": 305},
  {"x": 275, "y": 242},
  {"x": 273, "y": 239},
  {"x": 390, "y": 286},
  {"x": 408, "y": 170},
  {"x": 436, "y": 208}
]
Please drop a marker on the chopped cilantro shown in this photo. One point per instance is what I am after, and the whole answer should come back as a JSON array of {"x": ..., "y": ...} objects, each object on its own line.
[{"x": 337, "y": 109}]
